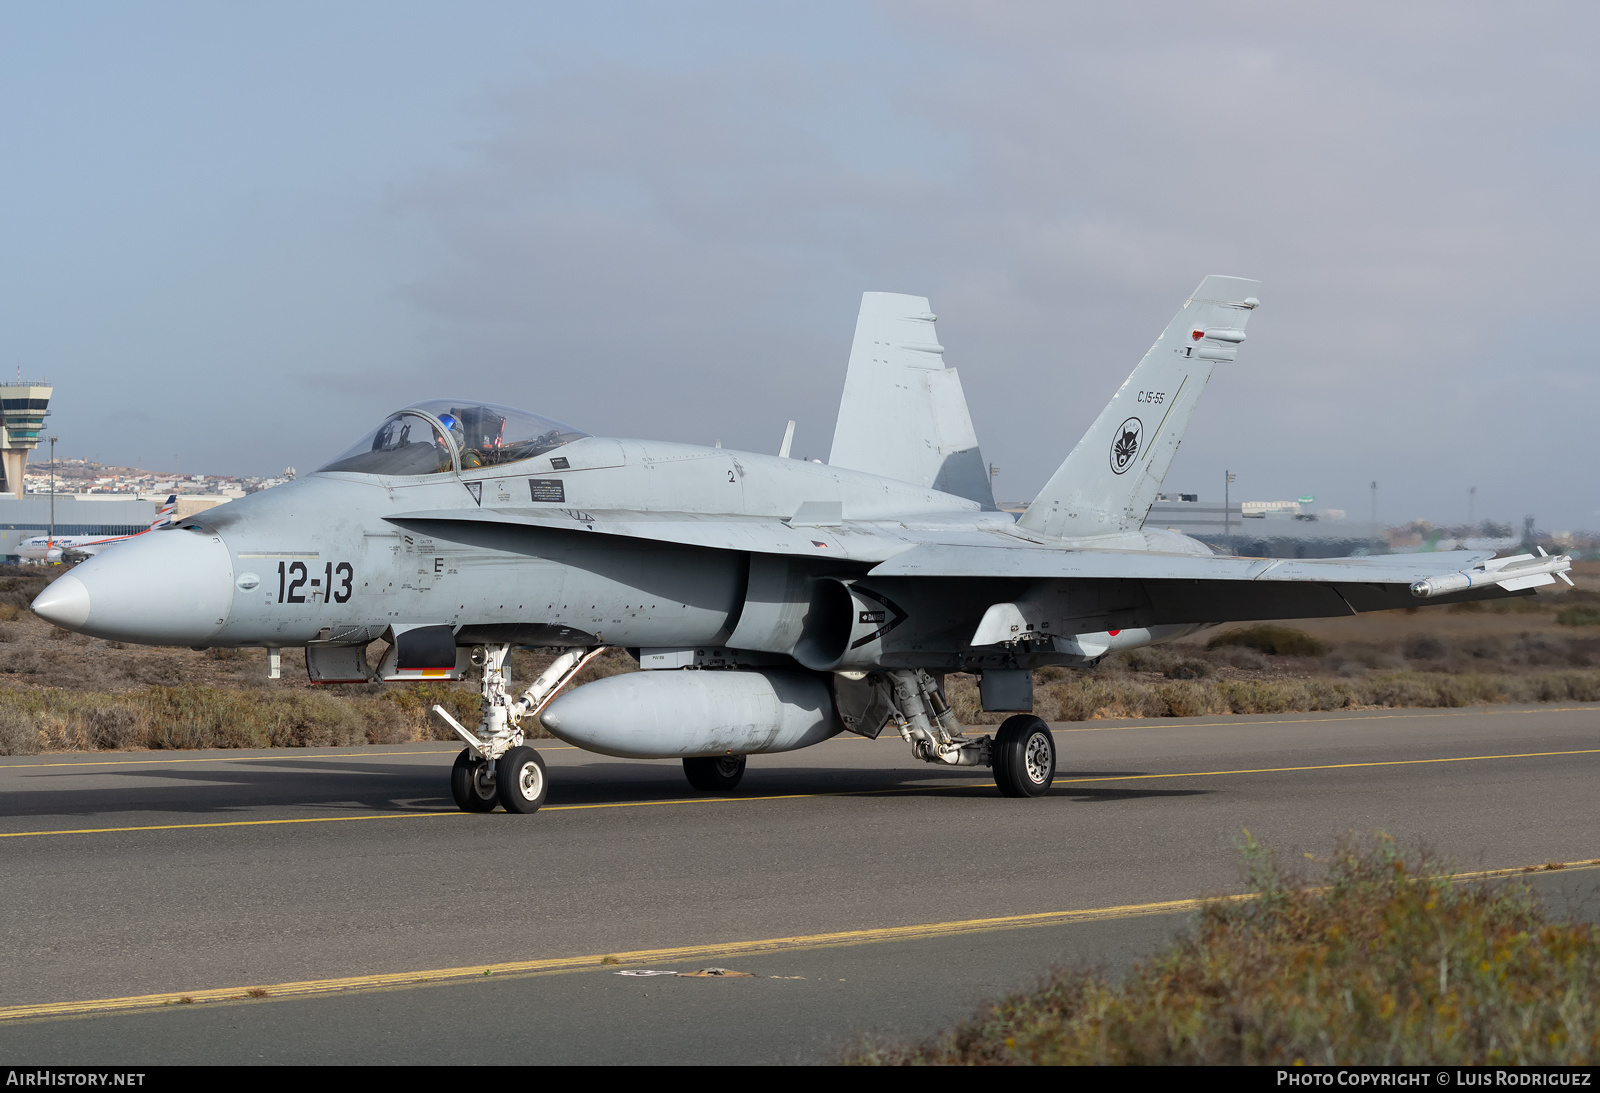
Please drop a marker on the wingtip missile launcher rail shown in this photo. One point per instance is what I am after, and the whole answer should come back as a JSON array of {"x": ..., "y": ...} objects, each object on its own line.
[{"x": 1512, "y": 574}]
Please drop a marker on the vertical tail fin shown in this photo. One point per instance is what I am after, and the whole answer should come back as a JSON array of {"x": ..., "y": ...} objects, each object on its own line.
[
  {"x": 903, "y": 414},
  {"x": 164, "y": 513},
  {"x": 1111, "y": 478}
]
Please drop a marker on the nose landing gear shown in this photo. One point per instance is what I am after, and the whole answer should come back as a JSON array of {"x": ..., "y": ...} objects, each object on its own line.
[{"x": 497, "y": 767}]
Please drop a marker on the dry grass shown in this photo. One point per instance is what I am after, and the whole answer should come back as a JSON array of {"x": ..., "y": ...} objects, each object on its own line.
[
  {"x": 36, "y": 720},
  {"x": 1093, "y": 697},
  {"x": 1273, "y": 640},
  {"x": 1386, "y": 962},
  {"x": 1277, "y": 669}
]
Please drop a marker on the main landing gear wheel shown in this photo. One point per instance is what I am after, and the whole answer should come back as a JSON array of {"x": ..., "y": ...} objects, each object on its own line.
[
  {"x": 520, "y": 780},
  {"x": 472, "y": 783},
  {"x": 715, "y": 772},
  {"x": 1024, "y": 756}
]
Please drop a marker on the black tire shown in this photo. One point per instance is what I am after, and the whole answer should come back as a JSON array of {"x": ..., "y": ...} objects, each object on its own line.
[
  {"x": 714, "y": 773},
  {"x": 1024, "y": 756},
  {"x": 471, "y": 784},
  {"x": 520, "y": 780}
]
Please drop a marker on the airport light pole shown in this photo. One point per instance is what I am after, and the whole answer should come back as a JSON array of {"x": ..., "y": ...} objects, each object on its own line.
[
  {"x": 1374, "y": 515},
  {"x": 51, "y": 542},
  {"x": 1227, "y": 511}
]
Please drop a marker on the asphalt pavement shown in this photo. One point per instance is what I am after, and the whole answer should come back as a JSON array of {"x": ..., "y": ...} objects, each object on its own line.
[{"x": 863, "y": 892}]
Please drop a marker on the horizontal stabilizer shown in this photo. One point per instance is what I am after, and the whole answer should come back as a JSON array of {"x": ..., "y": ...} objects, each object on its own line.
[{"x": 903, "y": 414}]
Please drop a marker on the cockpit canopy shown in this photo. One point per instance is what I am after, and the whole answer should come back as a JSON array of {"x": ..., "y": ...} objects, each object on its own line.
[{"x": 442, "y": 435}]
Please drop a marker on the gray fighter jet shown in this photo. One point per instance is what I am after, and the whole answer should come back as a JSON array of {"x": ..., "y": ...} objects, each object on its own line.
[{"x": 774, "y": 602}]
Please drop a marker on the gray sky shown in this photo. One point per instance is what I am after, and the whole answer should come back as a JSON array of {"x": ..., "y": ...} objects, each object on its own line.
[{"x": 236, "y": 235}]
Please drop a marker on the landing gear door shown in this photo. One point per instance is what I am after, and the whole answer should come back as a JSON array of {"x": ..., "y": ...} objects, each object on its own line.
[
  {"x": 424, "y": 652},
  {"x": 337, "y": 663},
  {"x": 864, "y": 701}
]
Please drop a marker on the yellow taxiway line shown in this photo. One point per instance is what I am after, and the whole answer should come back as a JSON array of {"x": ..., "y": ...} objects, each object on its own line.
[
  {"x": 791, "y": 796},
  {"x": 671, "y": 955},
  {"x": 1349, "y": 715},
  {"x": 1328, "y": 766},
  {"x": 286, "y": 755}
]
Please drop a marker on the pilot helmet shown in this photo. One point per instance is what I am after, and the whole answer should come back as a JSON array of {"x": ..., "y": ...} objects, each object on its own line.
[{"x": 450, "y": 422}]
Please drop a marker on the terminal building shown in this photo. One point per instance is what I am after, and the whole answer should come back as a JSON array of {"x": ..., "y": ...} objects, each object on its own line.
[
  {"x": 1263, "y": 529},
  {"x": 75, "y": 514},
  {"x": 23, "y": 408}
]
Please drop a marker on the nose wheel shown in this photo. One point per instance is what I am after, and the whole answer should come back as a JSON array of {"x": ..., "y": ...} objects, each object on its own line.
[
  {"x": 472, "y": 783},
  {"x": 520, "y": 780}
]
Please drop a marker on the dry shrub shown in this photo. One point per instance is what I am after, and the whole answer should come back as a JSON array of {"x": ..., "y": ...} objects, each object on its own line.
[
  {"x": 417, "y": 700},
  {"x": 1237, "y": 656},
  {"x": 1260, "y": 696},
  {"x": 210, "y": 717},
  {"x": 111, "y": 728},
  {"x": 1387, "y": 962},
  {"x": 961, "y": 692},
  {"x": 1432, "y": 689},
  {"x": 1541, "y": 649},
  {"x": 612, "y": 662},
  {"x": 1426, "y": 647},
  {"x": 19, "y": 732},
  {"x": 1149, "y": 658},
  {"x": 1274, "y": 641}
]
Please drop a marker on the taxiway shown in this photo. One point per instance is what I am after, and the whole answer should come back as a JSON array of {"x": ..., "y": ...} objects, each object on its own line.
[{"x": 864, "y": 891}]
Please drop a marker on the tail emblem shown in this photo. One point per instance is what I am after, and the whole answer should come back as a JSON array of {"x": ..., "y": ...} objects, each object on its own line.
[{"x": 1125, "y": 448}]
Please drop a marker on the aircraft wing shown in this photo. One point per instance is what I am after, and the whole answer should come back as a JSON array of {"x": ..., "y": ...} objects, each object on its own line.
[
  {"x": 1391, "y": 580},
  {"x": 1193, "y": 588},
  {"x": 942, "y": 560}
]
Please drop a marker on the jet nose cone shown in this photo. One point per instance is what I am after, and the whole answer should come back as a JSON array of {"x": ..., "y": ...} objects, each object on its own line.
[
  {"x": 65, "y": 602},
  {"x": 162, "y": 588}
]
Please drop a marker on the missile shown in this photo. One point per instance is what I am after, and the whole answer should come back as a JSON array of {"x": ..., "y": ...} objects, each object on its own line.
[
  {"x": 1522, "y": 571},
  {"x": 667, "y": 714}
]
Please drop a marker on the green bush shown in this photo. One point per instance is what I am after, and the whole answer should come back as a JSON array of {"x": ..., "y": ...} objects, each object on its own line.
[
  {"x": 1388, "y": 962},
  {"x": 1275, "y": 641},
  {"x": 1579, "y": 615}
]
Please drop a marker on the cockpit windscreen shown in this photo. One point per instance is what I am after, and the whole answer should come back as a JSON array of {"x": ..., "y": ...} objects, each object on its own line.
[{"x": 477, "y": 434}]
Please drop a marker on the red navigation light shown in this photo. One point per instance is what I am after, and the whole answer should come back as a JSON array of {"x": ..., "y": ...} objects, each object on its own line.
[{"x": 1198, "y": 334}]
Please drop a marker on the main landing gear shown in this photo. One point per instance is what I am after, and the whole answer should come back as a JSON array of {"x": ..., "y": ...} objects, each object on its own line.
[
  {"x": 1022, "y": 753},
  {"x": 497, "y": 767},
  {"x": 714, "y": 774}
]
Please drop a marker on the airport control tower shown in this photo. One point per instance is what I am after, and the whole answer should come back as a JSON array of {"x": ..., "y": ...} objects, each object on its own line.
[{"x": 23, "y": 406}]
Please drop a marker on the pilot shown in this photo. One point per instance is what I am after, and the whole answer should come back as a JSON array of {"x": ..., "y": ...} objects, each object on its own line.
[
  {"x": 470, "y": 457},
  {"x": 441, "y": 445}
]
